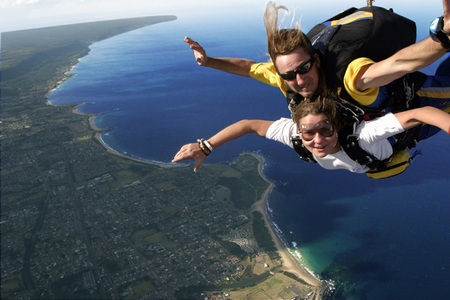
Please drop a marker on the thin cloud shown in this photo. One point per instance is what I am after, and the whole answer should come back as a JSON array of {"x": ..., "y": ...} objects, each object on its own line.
[{"x": 11, "y": 3}]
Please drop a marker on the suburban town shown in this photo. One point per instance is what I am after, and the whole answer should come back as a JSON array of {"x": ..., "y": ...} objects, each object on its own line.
[{"x": 81, "y": 222}]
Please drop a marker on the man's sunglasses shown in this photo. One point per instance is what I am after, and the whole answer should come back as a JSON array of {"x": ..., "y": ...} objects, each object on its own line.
[
  {"x": 303, "y": 69},
  {"x": 308, "y": 131}
]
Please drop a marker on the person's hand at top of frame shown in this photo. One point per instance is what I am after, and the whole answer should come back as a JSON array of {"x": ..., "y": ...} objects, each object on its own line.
[
  {"x": 199, "y": 52},
  {"x": 446, "y": 16}
]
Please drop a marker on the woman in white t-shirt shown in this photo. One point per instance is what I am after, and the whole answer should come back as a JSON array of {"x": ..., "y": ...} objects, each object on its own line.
[{"x": 317, "y": 124}]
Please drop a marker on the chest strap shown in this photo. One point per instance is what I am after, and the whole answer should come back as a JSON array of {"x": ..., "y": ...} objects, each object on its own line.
[{"x": 349, "y": 143}]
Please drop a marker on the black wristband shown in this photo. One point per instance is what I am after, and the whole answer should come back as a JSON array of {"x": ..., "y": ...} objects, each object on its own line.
[{"x": 203, "y": 147}]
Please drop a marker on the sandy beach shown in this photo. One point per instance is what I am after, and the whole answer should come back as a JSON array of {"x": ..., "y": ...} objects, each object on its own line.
[
  {"x": 290, "y": 264},
  {"x": 109, "y": 150},
  {"x": 98, "y": 137}
]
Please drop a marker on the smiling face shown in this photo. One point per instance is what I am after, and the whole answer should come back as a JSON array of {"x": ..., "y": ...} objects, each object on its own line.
[
  {"x": 304, "y": 84},
  {"x": 318, "y": 136}
]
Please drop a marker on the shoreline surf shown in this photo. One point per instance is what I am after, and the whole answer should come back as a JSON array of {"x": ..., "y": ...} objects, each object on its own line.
[
  {"x": 290, "y": 260},
  {"x": 290, "y": 263}
]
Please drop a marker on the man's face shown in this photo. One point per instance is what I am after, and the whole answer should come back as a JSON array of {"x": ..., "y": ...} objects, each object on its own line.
[{"x": 304, "y": 84}]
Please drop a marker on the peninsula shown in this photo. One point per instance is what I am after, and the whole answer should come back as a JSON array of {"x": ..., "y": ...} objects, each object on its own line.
[{"x": 78, "y": 221}]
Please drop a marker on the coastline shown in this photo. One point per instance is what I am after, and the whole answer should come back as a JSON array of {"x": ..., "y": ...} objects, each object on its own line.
[
  {"x": 290, "y": 264},
  {"x": 97, "y": 136}
]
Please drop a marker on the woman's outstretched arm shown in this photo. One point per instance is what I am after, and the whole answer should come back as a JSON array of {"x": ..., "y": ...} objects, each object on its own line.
[{"x": 234, "y": 131}]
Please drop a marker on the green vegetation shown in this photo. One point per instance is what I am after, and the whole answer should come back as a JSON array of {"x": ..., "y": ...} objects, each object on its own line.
[
  {"x": 82, "y": 223},
  {"x": 247, "y": 164},
  {"x": 111, "y": 265},
  {"x": 73, "y": 287},
  {"x": 263, "y": 237},
  {"x": 194, "y": 292},
  {"x": 40, "y": 58},
  {"x": 247, "y": 282},
  {"x": 233, "y": 248},
  {"x": 35, "y": 44},
  {"x": 293, "y": 276},
  {"x": 142, "y": 288},
  {"x": 149, "y": 241},
  {"x": 243, "y": 195},
  {"x": 12, "y": 285},
  {"x": 136, "y": 290}
]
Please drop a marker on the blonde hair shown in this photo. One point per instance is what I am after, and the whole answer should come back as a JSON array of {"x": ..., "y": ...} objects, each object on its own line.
[{"x": 283, "y": 41}]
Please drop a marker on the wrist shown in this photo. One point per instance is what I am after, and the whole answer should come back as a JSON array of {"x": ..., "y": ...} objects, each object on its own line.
[
  {"x": 204, "y": 146},
  {"x": 206, "y": 61},
  {"x": 208, "y": 145}
]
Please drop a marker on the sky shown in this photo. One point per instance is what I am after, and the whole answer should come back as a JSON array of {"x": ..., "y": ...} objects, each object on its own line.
[{"x": 29, "y": 14}]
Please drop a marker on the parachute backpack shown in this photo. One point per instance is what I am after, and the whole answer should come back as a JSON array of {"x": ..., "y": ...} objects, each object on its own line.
[{"x": 372, "y": 32}]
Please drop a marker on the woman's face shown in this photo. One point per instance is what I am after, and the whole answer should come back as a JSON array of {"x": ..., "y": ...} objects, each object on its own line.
[{"x": 318, "y": 135}]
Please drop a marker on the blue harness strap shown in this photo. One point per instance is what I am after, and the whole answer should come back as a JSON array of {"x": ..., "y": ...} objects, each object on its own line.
[{"x": 444, "y": 67}]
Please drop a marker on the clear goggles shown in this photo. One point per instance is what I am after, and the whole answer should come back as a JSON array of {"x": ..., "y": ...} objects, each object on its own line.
[{"x": 308, "y": 131}]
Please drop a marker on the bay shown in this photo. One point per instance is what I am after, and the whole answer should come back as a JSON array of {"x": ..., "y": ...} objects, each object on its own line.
[{"x": 382, "y": 239}]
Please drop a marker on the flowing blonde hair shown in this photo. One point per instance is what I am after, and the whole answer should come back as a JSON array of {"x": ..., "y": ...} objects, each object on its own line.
[{"x": 283, "y": 41}]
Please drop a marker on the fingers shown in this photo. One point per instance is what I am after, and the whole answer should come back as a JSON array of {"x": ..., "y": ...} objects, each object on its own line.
[
  {"x": 187, "y": 40},
  {"x": 190, "y": 151},
  {"x": 199, "y": 53},
  {"x": 185, "y": 152},
  {"x": 446, "y": 15},
  {"x": 198, "y": 163},
  {"x": 179, "y": 156},
  {"x": 191, "y": 42}
]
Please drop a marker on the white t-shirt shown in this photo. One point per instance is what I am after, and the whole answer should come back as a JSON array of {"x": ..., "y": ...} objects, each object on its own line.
[{"x": 372, "y": 138}]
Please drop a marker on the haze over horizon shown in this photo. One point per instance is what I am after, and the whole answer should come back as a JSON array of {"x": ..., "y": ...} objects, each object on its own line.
[
  {"x": 356, "y": 229},
  {"x": 44, "y": 13}
]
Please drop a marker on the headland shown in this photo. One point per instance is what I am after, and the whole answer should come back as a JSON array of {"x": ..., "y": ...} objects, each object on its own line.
[{"x": 62, "y": 192}]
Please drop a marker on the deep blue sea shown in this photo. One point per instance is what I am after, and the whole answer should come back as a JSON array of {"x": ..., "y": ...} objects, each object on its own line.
[{"x": 386, "y": 239}]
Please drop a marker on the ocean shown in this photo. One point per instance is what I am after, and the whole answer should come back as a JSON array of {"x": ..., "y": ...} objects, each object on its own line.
[{"x": 380, "y": 239}]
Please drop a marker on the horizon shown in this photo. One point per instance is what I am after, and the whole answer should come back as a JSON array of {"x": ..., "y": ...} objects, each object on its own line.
[
  {"x": 353, "y": 223},
  {"x": 45, "y": 13}
]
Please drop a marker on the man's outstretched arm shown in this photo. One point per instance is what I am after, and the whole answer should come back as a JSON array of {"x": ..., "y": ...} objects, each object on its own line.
[
  {"x": 407, "y": 60},
  {"x": 237, "y": 66}
]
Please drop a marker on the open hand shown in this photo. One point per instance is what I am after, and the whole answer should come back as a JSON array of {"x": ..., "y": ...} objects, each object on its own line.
[
  {"x": 190, "y": 151},
  {"x": 199, "y": 52}
]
